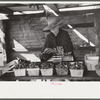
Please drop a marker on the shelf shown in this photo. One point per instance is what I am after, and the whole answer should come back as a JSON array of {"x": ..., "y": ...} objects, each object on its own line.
[{"x": 88, "y": 76}]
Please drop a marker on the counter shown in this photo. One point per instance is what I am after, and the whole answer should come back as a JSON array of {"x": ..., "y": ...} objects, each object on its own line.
[{"x": 88, "y": 76}]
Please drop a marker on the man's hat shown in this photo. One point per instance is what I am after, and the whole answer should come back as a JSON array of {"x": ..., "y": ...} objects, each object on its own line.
[{"x": 52, "y": 22}]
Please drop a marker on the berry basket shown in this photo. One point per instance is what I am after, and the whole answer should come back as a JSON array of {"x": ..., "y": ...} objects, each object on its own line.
[
  {"x": 68, "y": 58},
  {"x": 33, "y": 71},
  {"x": 76, "y": 72},
  {"x": 47, "y": 72},
  {"x": 20, "y": 67},
  {"x": 19, "y": 72},
  {"x": 76, "y": 69},
  {"x": 61, "y": 69},
  {"x": 46, "y": 69},
  {"x": 55, "y": 59},
  {"x": 97, "y": 67}
]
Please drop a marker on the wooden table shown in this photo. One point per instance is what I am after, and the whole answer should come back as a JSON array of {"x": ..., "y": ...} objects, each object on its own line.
[{"x": 88, "y": 76}]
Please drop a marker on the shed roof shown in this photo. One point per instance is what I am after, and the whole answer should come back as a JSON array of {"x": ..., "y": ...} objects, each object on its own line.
[{"x": 25, "y": 8}]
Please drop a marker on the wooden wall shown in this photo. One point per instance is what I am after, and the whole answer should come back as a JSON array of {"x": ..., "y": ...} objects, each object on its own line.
[{"x": 27, "y": 31}]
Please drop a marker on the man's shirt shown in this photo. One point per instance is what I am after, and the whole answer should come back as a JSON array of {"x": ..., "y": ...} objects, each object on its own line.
[{"x": 62, "y": 39}]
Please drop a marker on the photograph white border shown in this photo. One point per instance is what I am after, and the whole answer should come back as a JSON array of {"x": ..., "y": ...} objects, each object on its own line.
[{"x": 64, "y": 90}]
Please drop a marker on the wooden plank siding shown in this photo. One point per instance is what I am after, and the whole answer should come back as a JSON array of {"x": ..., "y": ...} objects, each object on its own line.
[{"x": 27, "y": 31}]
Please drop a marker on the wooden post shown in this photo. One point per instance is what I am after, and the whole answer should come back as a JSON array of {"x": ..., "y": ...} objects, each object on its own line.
[
  {"x": 2, "y": 45},
  {"x": 97, "y": 27}
]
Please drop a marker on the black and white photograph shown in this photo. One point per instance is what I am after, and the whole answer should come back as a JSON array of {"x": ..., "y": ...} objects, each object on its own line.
[
  {"x": 49, "y": 42},
  {"x": 55, "y": 42}
]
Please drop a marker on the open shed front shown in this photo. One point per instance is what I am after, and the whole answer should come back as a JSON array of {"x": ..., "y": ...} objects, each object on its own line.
[{"x": 22, "y": 36}]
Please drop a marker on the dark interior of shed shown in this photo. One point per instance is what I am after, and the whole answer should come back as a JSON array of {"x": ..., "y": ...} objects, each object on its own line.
[{"x": 22, "y": 29}]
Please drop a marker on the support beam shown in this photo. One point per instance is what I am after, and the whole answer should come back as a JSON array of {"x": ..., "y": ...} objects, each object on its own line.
[
  {"x": 6, "y": 10},
  {"x": 72, "y": 11},
  {"x": 2, "y": 45},
  {"x": 97, "y": 26},
  {"x": 80, "y": 8},
  {"x": 51, "y": 9},
  {"x": 80, "y": 25},
  {"x": 80, "y": 35}
]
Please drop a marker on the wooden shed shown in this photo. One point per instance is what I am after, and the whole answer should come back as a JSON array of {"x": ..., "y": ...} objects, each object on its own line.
[{"x": 22, "y": 25}]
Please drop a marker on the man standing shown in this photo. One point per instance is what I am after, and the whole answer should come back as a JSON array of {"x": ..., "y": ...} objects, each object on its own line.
[{"x": 57, "y": 42}]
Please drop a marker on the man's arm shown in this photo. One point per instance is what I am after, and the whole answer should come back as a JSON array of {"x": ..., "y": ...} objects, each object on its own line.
[
  {"x": 68, "y": 43},
  {"x": 70, "y": 46},
  {"x": 47, "y": 52}
]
